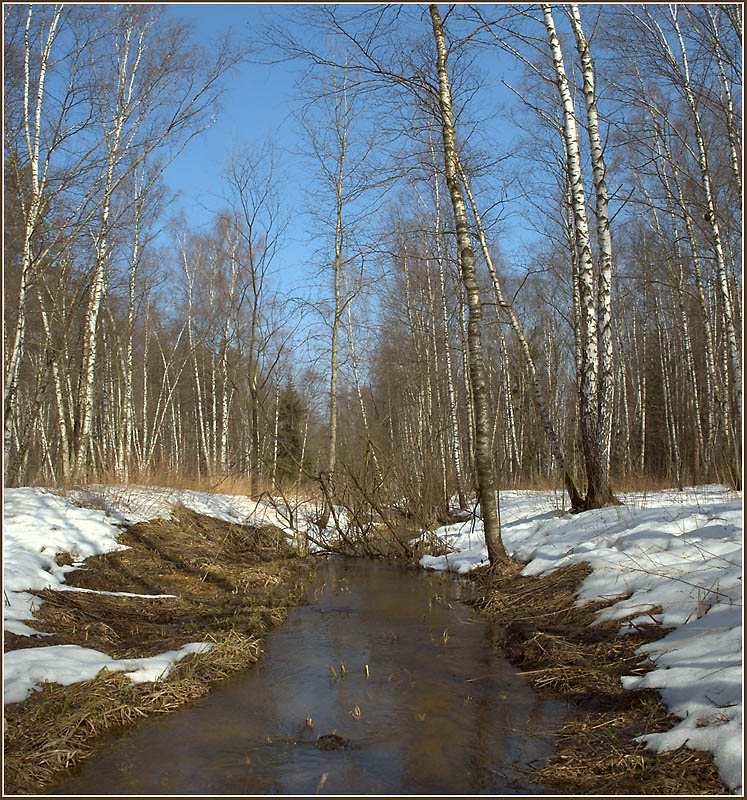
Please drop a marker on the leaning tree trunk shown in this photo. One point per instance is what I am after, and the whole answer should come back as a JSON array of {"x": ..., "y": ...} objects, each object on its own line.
[
  {"x": 483, "y": 454},
  {"x": 539, "y": 398}
]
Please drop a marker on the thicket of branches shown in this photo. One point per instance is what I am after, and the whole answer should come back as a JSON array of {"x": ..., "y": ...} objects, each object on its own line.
[{"x": 137, "y": 349}]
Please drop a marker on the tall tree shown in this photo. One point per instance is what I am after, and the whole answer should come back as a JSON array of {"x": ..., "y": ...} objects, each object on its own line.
[
  {"x": 599, "y": 492},
  {"x": 483, "y": 455}
]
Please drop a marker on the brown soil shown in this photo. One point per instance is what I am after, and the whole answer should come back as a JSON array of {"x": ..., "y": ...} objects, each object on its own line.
[
  {"x": 541, "y": 630},
  {"x": 231, "y": 583}
]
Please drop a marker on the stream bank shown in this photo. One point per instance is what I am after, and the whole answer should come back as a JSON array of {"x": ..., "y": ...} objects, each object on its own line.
[
  {"x": 230, "y": 584},
  {"x": 382, "y": 683},
  {"x": 540, "y": 629}
]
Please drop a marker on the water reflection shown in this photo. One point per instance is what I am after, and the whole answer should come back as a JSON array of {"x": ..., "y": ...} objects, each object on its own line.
[{"x": 438, "y": 712}]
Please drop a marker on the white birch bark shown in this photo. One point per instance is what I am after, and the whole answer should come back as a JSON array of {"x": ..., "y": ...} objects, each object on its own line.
[
  {"x": 469, "y": 400},
  {"x": 604, "y": 241},
  {"x": 598, "y": 491},
  {"x": 124, "y": 106},
  {"x": 722, "y": 273},
  {"x": 680, "y": 66},
  {"x": 703, "y": 452},
  {"x": 32, "y": 130},
  {"x": 642, "y": 386},
  {"x": 64, "y": 426},
  {"x": 713, "y": 387},
  {"x": 674, "y": 451},
  {"x": 483, "y": 455},
  {"x": 189, "y": 273},
  {"x": 508, "y": 309},
  {"x": 146, "y": 353},
  {"x": 275, "y": 430},
  {"x": 732, "y": 123},
  {"x": 128, "y": 405}
]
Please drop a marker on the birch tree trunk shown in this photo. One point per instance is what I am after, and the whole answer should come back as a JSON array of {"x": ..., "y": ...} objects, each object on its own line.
[
  {"x": 507, "y": 308},
  {"x": 189, "y": 273},
  {"x": 128, "y": 407},
  {"x": 599, "y": 492},
  {"x": 712, "y": 219},
  {"x": 732, "y": 123},
  {"x": 84, "y": 418},
  {"x": 123, "y": 106},
  {"x": 604, "y": 241},
  {"x": 33, "y": 131},
  {"x": 483, "y": 455}
]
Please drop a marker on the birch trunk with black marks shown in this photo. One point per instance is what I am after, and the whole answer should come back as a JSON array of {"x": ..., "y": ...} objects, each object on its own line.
[
  {"x": 483, "y": 456},
  {"x": 604, "y": 241},
  {"x": 32, "y": 208},
  {"x": 599, "y": 492},
  {"x": 507, "y": 308},
  {"x": 732, "y": 123},
  {"x": 712, "y": 219}
]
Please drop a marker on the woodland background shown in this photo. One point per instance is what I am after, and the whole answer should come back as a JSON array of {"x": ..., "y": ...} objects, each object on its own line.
[{"x": 138, "y": 348}]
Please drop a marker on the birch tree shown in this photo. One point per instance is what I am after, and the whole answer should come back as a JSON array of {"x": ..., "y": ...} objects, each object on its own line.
[
  {"x": 483, "y": 455},
  {"x": 539, "y": 398},
  {"x": 604, "y": 242},
  {"x": 599, "y": 492}
]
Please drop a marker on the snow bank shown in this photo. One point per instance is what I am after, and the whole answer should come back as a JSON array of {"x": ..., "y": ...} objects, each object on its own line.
[
  {"x": 69, "y": 663},
  {"x": 678, "y": 550},
  {"x": 37, "y": 525},
  {"x": 132, "y": 504}
]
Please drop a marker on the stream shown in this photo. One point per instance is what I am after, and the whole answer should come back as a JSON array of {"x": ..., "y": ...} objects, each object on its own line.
[{"x": 419, "y": 703}]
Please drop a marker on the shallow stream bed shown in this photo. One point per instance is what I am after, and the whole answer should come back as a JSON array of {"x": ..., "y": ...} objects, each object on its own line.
[{"x": 403, "y": 689}]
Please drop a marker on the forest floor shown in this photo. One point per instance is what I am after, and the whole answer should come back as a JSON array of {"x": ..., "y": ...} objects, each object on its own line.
[
  {"x": 551, "y": 639},
  {"x": 202, "y": 579},
  {"x": 111, "y": 617}
]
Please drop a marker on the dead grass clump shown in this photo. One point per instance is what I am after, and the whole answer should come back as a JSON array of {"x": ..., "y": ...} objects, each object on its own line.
[
  {"x": 598, "y": 754},
  {"x": 539, "y": 627}
]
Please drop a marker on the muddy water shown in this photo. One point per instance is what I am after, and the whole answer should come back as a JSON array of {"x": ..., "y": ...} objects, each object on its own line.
[{"x": 437, "y": 713}]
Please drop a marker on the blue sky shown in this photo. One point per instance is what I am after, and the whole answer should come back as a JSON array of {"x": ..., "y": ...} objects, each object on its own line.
[{"x": 256, "y": 106}]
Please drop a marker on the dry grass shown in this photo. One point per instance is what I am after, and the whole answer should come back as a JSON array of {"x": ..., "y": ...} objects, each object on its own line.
[
  {"x": 539, "y": 628},
  {"x": 226, "y": 483},
  {"x": 57, "y": 727},
  {"x": 232, "y": 583}
]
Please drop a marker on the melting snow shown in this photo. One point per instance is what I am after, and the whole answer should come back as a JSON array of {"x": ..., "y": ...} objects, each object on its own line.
[{"x": 678, "y": 550}]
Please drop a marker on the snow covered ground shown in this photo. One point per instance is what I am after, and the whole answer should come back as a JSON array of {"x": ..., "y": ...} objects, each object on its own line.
[
  {"x": 678, "y": 550},
  {"x": 38, "y": 524}
]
